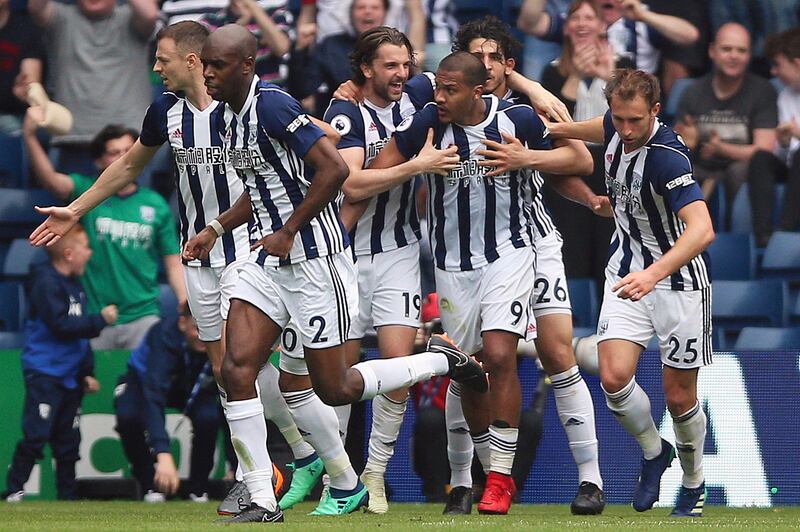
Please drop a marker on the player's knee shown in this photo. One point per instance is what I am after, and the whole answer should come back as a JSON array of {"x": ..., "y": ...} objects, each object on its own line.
[
  {"x": 679, "y": 400},
  {"x": 557, "y": 357},
  {"x": 333, "y": 396},
  {"x": 497, "y": 362},
  {"x": 613, "y": 381}
]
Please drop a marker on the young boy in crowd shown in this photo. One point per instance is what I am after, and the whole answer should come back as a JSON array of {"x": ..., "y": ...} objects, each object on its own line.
[{"x": 57, "y": 364}]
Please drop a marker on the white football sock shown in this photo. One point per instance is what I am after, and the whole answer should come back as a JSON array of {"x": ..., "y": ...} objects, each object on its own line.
[
  {"x": 387, "y": 418},
  {"x": 343, "y": 415},
  {"x": 321, "y": 426},
  {"x": 275, "y": 410},
  {"x": 249, "y": 438},
  {"x": 576, "y": 412},
  {"x": 690, "y": 437},
  {"x": 386, "y": 375},
  {"x": 632, "y": 407},
  {"x": 459, "y": 442},
  {"x": 503, "y": 445},
  {"x": 483, "y": 449}
]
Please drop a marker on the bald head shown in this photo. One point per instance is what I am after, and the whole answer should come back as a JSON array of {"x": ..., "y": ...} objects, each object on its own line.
[
  {"x": 472, "y": 67},
  {"x": 233, "y": 39},
  {"x": 730, "y": 51}
]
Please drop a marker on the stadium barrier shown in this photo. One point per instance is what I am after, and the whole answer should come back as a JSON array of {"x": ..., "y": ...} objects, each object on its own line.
[{"x": 750, "y": 456}]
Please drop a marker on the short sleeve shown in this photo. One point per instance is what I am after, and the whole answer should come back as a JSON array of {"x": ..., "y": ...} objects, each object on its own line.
[
  {"x": 420, "y": 89},
  {"x": 283, "y": 118},
  {"x": 154, "y": 125},
  {"x": 529, "y": 127},
  {"x": 81, "y": 184},
  {"x": 608, "y": 128},
  {"x": 673, "y": 178},
  {"x": 411, "y": 133},
  {"x": 346, "y": 119},
  {"x": 765, "y": 114}
]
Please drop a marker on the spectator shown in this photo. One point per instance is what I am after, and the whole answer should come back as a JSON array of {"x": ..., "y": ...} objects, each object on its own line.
[
  {"x": 578, "y": 77},
  {"x": 98, "y": 62},
  {"x": 129, "y": 232},
  {"x": 21, "y": 56},
  {"x": 633, "y": 30},
  {"x": 442, "y": 27},
  {"x": 173, "y": 11},
  {"x": 784, "y": 164},
  {"x": 761, "y": 18},
  {"x": 272, "y": 24},
  {"x": 728, "y": 115},
  {"x": 328, "y": 67},
  {"x": 57, "y": 364},
  {"x": 168, "y": 369},
  {"x": 538, "y": 53}
]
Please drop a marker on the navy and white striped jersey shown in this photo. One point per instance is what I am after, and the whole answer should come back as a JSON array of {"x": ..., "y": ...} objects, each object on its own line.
[
  {"x": 207, "y": 185},
  {"x": 474, "y": 219},
  {"x": 266, "y": 143},
  {"x": 647, "y": 187},
  {"x": 390, "y": 220}
]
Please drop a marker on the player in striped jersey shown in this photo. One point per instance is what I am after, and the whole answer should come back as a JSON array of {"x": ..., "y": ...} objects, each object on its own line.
[
  {"x": 491, "y": 41},
  {"x": 185, "y": 117},
  {"x": 657, "y": 281},
  {"x": 386, "y": 236},
  {"x": 481, "y": 239},
  {"x": 298, "y": 269}
]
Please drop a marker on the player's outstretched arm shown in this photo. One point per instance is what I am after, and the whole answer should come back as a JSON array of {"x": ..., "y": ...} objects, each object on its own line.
[
  {"x": 699, "y": 233},
  {"x": 121, "y": 173},
  {"x": 364, "y": 183},
  {"x": 570, "y": 157},
  {"x": 575, "y": 189},
  {"x": 542, "y": 99},
  {"x": 586, "y": 130},
  {"x": 330, "y": 173},
  {"x": 326, "y": 128}
]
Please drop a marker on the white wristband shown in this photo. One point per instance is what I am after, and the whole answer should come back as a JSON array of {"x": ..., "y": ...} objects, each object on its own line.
[{"x": 217, "y": 227}]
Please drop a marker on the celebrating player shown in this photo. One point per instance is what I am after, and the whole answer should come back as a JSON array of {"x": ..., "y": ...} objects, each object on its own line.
[
  {"x": 299, "y": 267},
  {"x": 657, "y": 281}
]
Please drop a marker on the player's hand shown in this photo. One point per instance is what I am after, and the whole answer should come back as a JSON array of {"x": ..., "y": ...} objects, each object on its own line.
[
  {"x": 58, "y": 223},
  {"x": 90, "y": 384},
  {"x": 601, "y": 206},
  {"x": 504, "y": 157},
  {"x": 635, "y": 286},
  {"x": 199, "y": 246},
  {"x": 554, "y": 130},
  {"x": 350, "y": 92},
  {"x": 166, "y": 478},
  {"x": 110, "y": 314},
  {"x": 548, "y": 104},
  {"x": 278, "y": 244},
  {"x": 433, "y": 160}
]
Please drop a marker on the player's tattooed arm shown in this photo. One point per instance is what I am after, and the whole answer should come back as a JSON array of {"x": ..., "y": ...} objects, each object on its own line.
[{"x": 199, "y": 246}]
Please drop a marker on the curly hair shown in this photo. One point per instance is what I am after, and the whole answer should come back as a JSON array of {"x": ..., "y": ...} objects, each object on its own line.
[{"x": 490, "y": 28}]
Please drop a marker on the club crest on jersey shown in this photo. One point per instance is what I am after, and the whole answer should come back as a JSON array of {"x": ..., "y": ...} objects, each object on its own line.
[
  {"x": 342, "y": 124},
  {"x": 147, "y": 213}
]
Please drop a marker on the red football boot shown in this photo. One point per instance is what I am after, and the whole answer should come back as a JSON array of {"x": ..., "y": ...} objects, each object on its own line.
[{"x": 497, "y": 494}]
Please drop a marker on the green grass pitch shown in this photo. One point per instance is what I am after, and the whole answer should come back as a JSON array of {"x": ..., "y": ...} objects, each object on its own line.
[{"x": 137, "y": 516}]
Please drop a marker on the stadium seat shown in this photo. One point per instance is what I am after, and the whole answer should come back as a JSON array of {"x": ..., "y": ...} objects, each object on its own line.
[
  {"x": 739, "y": 304},
  {"x": 718, "y": 207},
  {"x": 13, "y": 162},
  {"x": 11, "y": 340},
  {"x": 782, "y": 256},
  {"x": 794, "y": 313},
  {"x": 732, "y": 257},
  {"x": 20, "y": 257},
  {"x": 741, "y": 214},
  {"x": 678, "y": 88},
  {"x": 768, "y": 339},
  {"x": 11, "y": 295},
  {"x": 17, "y": 217},
  {"x": 583, "y": 295}
]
